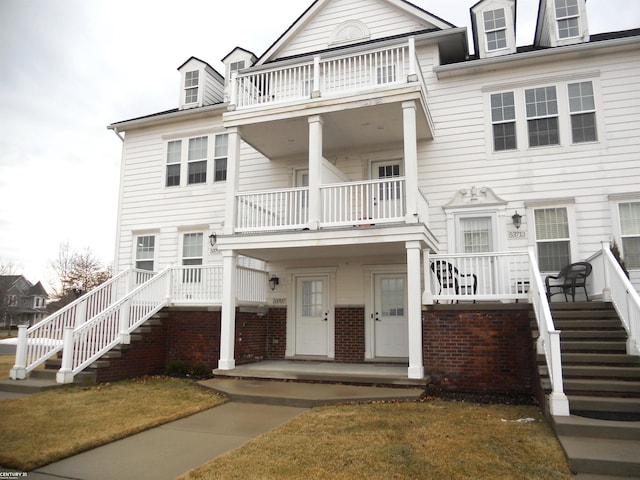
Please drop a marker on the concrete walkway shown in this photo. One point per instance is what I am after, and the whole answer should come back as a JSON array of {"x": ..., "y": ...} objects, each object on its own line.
[{"x": 168, "y": 451}]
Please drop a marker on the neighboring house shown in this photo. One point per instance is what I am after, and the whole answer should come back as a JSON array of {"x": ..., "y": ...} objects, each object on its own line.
[
  {"x": 22, "y": 303},
  {"x": 303, "y": 205}
]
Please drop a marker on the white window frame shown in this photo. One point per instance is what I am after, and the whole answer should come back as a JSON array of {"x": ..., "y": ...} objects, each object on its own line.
[
  {"x": 495, "y": 122},
  {"x": 191, "y": 85},
  {"x": 547, "y": 114},
  {"x": 495, "y": 30},
  {"x": 191, "y": 276},
  {"x": 152, "y": 259},
  {"x": 569, "y": 205},
  {"x": 197, "y": 160},
  {"x": 176, "y": 162},
  {"x": 623, "y": 235},
  {"x": 567, "y": 18},
  {"x": 587, "y": 107},
  {"x": 219, "y": 158}
]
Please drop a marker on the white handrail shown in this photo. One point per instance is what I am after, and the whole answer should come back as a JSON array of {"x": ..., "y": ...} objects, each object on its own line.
[
  {"x": 624, "y": 298},
  {"x": 44, "y": 339},
  {"x": 548, "y": 340},
  {"x": 87, "y": 343}
]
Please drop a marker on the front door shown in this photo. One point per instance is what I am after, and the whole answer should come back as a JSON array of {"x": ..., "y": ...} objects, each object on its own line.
[
  {"x": 476, "y": 235},
  {"x": 312, "y": 315},
  {"x": 391, "y": 328},
  {"x": 388, "y": 197}
]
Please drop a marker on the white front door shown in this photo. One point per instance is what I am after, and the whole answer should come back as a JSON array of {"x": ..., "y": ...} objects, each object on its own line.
[
  {"x": 388, "y": 197},
  {"x": 312, "y": 316},
  {"x": 476, "y": 235},
  {"x": 391, "y": 328}
]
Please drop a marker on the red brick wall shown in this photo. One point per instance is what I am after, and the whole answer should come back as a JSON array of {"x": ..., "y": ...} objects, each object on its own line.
[
  {"x": 251, "y": 337},
  {"x": 276, "y": 333},
  {"x": 349, "y": 334},
  {"x": 193, "y": 337},
  {"x": 478, "y": 350}
]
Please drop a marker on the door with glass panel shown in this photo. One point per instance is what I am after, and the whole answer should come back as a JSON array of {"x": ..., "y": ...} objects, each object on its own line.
[
  {"x": 388, "y": 196},
  {"x": 476, "y": 236},
  {"x": 312, "y": 315},
  {"x": 391, "y": 328}
]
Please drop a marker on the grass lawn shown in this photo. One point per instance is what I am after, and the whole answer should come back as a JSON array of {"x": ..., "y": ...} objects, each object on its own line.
[
  {"x": 429, "y": 440},
  {"x": 6, "y": 364},
  {"x": 42, "y": 428}
]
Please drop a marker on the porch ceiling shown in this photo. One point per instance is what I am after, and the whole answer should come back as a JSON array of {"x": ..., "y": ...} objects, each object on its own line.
[{"x": 364, "y": 126}]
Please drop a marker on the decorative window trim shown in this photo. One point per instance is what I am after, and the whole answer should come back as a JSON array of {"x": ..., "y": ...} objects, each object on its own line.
[{"x": 349, "y": 32}]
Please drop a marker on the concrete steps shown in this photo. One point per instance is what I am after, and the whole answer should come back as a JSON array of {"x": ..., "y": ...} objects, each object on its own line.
[{"x": 602, "y": 384}]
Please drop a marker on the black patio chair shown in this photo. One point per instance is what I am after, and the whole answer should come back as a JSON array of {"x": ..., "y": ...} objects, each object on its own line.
[
  {"x": 450, "y": 277},
  {"x": 570, "y": 277}
]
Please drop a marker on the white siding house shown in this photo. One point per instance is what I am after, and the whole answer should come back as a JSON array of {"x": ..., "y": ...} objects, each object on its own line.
[{"x": 327, "y": 183}]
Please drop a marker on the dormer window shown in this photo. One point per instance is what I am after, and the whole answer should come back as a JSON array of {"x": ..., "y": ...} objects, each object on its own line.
[
  {"x": 567, "y": 13},
  {"x": 495, "y": 27},
  {"x": 191, "y": 83},
  {"x": 235, "y": 66}
]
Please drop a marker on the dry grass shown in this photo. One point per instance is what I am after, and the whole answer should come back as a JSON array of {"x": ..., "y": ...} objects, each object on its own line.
[
  {"x": 430, "y": 440},
  {"x": 39, "y": 429},
  {"x": 6, "y": 364}
]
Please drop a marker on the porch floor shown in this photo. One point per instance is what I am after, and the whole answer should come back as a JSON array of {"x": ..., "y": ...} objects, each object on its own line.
[{"x": 330, "y": 372}]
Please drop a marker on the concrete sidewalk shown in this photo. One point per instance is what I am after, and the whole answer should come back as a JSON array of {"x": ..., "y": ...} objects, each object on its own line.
[{"x": 170, "y": 450}]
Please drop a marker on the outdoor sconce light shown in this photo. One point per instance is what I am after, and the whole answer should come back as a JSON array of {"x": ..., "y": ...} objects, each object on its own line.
[
  {"x": 212, "y": 239},
  {"x": 273, "y": 281},
  {"x": 517, "y": 220}
]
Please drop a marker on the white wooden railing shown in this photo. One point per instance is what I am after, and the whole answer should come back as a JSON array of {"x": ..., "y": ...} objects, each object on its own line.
[
  {"x": 325, "y": 76},
  {"x": 85, "y": 344},
  {"x": 548, "y": 339},
  {"x": 44, "y": 339},
  {"x": 608, "y": 281},
  {"x": 272, "y": 210},
  {"x": 494, "y": 276},
  {"x": 363, "y": 203}
]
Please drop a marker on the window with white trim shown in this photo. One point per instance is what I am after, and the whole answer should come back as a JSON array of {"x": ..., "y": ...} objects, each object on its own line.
[
  {"x": 495, "y": 29},
  {"x": 235, "y": 66},
  {"x": 145, "y": 252},
  {"x": 542, "y": 116},
  {"x": 582, "y": 107},
  {"x": 191, "y": 84},
  {"x": 192, "y": 248},
  {"x": 197, "y": 171},
  {"x": 567, "y": 15},
  {"x": 630, "y": 230},
  {"x": 220, "y": 158},
  {"x": 553, "y": 240},
  {"x": 503, "y": 118},
  {"x": 386, "y": 74},
  {"x": 174, "y": 153}
]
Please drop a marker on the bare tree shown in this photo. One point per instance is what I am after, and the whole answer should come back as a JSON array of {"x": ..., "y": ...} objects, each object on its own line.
[{"x": 6, "y": 269}]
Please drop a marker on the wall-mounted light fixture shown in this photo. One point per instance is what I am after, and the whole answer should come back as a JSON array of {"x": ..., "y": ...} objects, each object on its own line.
[
  {"x": 517, "y": 220},
  {"x": 273, "y": 281},
  {"x": 212, "y": 239}
]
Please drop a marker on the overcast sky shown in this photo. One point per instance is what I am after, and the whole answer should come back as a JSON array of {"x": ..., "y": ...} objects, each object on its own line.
[{"x": 71, "y": 67}]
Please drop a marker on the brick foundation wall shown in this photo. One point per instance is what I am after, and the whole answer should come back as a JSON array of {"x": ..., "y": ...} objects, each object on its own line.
[
  {"x": 478, "y": 350},
  {"x": 146, "y": 355},
  {"x": 251, "y": 337},
  {"x": 193, "y": 337},
  {"x": 276, "y": 333},
  {"x": 349, "y": 341}
]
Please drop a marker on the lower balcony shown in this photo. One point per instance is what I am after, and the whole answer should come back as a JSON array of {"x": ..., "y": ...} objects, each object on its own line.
[{"x": 352, "y": 204}]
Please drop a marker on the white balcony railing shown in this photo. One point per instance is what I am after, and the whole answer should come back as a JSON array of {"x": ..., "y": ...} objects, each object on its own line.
[
  {"x": 363, "y": 203},
  {"x": 342, "y": 204},
  {"x": 326, "y": 76}
]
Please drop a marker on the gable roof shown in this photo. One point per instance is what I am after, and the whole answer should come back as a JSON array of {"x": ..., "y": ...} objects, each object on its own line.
[{"x": 317, "y": 5}]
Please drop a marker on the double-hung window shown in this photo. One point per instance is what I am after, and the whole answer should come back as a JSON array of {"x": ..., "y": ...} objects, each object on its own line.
[
  {"x": 582, "y": 108},
  {"x": 542, "y": 116},
  {"x": 495, "y": 28},
  {"x": 503, "y": 118},
  {"x": 630, "y": 229},
  {"x": 191, "y": 256},
  {"x": 145, "y": 252},
  {"x": 191, "y": 83},
  {"x": 220, "y": 158},
  {"x": 386, "y": 74},
  {"x": 552, "y": 238},
  {"x": 567, "y": 13},
  {"x": 197, "y": 160},
  {"x": 173, "y": 163}
]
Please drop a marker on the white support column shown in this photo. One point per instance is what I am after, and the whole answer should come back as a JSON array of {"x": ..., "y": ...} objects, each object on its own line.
[
  {"x": 233, "y": 174},
  {"x": 228, "y": 314},
  {"x": 315, "y": 170},
  {"x": 410, "y": 129},
  {"x": 316, "y": 93},
  {"x": 411, "y": 75},
  {"x": 19, "y": 370},
  {"x": 65, "y": 374},
  {"x": 427, "y": 294},
  {"x": 414, "y": 310}
]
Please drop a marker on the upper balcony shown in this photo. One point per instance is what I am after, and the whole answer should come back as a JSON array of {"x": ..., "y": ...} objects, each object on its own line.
[{"x": 358, "y": 91}]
